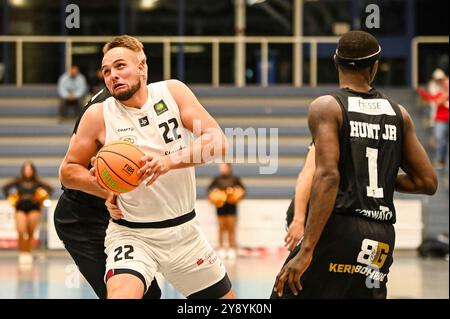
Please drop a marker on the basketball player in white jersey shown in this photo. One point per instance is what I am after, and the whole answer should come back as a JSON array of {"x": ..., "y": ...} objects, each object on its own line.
[{"x": 153, "y": 227}]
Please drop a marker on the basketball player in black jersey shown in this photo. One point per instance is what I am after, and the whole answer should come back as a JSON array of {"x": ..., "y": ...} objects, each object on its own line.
[
  {"x": 361, "y": 139},
  {"x": 297, "y": 211},
  {"x": 81, "y": 220}
]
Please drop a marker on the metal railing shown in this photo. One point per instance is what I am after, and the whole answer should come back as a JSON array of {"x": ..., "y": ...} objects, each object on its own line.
[
  {"x": 215, "y": 42},
  {"x": 415, "y": 54},
  {"x": 264, "y": 42}
]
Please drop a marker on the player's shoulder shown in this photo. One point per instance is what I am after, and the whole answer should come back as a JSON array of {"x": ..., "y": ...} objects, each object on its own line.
[
  {"x": 324, "y": 110},
  {"x": 95, "y": 103},
  {"x": 93, "y": 112},
  {"x": 324, "y": 100},
  {"x": 171, "y": 85},
  {"x": 406, "y": 118},
  {"x": 324, "y": 104},
  {"x": 175, "y": 85}
]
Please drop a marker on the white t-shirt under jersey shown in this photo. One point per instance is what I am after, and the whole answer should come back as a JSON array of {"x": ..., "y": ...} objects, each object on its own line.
[{"x": 156, "y": 128}]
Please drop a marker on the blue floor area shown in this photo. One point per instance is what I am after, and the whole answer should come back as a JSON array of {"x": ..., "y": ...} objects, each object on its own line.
[{"x": 54, "y": 276}]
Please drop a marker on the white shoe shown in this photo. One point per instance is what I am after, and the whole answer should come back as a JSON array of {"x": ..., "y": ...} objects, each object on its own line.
[
  {"x": 25, "y": 258},
  {"x": 231, "y": 254}
]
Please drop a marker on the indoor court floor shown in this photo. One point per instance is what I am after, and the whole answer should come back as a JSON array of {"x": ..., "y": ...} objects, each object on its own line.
[{"x": 54, "y": 276}]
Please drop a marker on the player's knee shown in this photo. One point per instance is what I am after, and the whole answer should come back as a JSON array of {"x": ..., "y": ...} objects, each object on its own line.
[{"x": 124, "y": 286}]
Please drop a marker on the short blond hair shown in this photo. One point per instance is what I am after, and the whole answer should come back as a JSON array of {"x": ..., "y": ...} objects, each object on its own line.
[{"x": 124, "y": 41}]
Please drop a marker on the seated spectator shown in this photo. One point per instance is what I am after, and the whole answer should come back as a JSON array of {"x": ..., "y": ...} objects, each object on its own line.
[{"x": 72, "y": 87}]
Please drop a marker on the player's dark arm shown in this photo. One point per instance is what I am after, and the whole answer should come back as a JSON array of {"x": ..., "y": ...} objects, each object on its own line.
[
  {"x": 73, "y": 172},
  {"x": 324, "y": 122},
  {"x": 303, "y": 187},
  {"x": 211, "y": 141},
  {"x": 420, "y": 177}
]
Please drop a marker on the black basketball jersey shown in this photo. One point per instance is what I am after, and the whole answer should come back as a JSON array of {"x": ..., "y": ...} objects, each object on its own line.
[
  {"x": 97, "y": 98},
  {"x": 98, "y": 212},
  {"x": 371, "y": 140}
]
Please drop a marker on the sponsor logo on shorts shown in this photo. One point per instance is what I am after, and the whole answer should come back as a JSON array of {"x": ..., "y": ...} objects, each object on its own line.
[
  {"x": 372, "y": 256},
  {"x": 209, "y": 257},
  {"x": 368, "y": 271},
  {"x": 383, "y": 214}
]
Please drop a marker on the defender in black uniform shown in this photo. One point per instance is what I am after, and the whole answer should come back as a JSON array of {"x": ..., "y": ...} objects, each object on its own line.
[
  {"x": 81, "y": 220},
  {"x": 297, "y": 211},
  {"x": 361, "y": 138}
]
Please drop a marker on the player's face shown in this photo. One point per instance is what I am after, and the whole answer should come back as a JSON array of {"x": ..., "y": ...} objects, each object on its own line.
[{"x": 122, "y": 73}]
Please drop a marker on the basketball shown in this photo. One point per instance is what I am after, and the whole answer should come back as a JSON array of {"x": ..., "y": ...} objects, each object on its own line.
[{"x": 117, "y": 166}]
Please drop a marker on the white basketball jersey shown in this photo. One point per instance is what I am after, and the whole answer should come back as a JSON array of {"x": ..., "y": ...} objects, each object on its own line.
[{"x": 156, "y": 128}]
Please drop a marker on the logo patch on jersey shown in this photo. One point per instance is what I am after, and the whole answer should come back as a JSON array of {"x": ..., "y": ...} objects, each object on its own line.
[
  {"x": 370, "y": 106},
  {"x": 126, "y": 129},
  {"x": 160, "y": 107},
  {"x": 143, "y": 121},
  {"x": 129, "y": 138}
]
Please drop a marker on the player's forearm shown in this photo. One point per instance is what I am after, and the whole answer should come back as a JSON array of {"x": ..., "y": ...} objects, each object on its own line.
[
  {"x": 405, "y": 184},
  {"x": 202, "y": 150},
  {"x": 302, "y": 195},
  {"x": 75, "y": 176},
  {"x": 323, "y": 197},
  {"x": 301, "y": 203}
]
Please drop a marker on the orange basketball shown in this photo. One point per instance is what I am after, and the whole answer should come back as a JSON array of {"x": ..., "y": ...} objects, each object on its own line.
[{"x": 117, "y": 166}]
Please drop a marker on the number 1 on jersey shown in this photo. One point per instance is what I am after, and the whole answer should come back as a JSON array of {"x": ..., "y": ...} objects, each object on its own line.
[{"x": 373, "y": 190}]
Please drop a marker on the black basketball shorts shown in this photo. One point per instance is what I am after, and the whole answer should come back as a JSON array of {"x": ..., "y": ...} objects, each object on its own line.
[{"x": 351, "y": 260}]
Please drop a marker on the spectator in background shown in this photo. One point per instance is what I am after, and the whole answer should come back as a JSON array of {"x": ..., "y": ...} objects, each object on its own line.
[
  {"x": 72, "y": 87},
  {"x": 433, "y": 88},
  {"x": 27, "y": 194},
  {"x": 440, "y": 98},
  {"x": 225, "y": 192}
]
